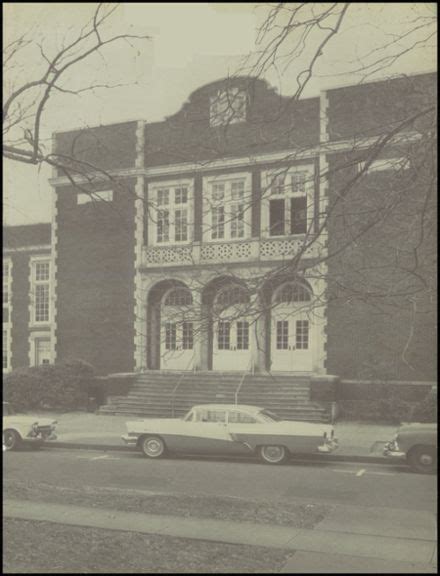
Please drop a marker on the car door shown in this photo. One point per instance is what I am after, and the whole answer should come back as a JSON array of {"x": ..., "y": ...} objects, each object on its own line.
[{"x": 206, "y": 432}]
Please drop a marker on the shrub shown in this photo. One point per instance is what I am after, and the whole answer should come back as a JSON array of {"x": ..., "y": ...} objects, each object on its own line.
[
  {"x": 426, "y": 409},
  {"x": 63, "y": 386},
  {"x": 392, "y": 409}
]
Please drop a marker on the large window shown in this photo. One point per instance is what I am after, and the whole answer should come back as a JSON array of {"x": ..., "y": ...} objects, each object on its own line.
[
  {"x": 288, "y": 201},
  {"x": 227, "y": 208},
  {"x": 170, "y": 213},
  {"x": 40, "y": 291},
  {"x": 6, "y": 346}
]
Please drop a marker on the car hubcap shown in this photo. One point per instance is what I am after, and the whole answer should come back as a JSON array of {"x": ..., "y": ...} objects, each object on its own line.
[
  {"x": 153, "y": 447},
  {"x": 8, "y": 440},
  {"x": 273, "y": 453},
  {"x": 426, "y": 460}
]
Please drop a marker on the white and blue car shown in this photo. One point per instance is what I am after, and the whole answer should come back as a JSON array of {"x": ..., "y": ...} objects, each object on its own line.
[{"x": 223, "y": 429}]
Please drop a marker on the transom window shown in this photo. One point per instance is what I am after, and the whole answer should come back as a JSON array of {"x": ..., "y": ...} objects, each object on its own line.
[
  {"x": 232, "y": 296},
  {"x": 40, "y": 290},
  {"x": 227, "y": 206},
  {"x": 292, "y": 292},
  {"x": 227, "y": 107},
  {"x": 170, "y": 213},
  {"x": 289, "y": 201},
  {"x": 179, "y": 297}
]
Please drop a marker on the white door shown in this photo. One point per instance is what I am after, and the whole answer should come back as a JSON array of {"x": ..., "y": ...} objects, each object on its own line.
[
  {"x": 231, "y": 346},
  {"x": 177, "y": 345},
  {"x": 42, "y": 351},
  {"x": 291, "y": 341}
]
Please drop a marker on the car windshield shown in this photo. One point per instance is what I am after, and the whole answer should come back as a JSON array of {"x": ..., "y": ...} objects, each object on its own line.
[{"x": 269, "y": 416}]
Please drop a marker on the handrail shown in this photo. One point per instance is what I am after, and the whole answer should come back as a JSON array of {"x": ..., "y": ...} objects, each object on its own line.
[
  {"x": 242, "y": 381},
  {"x": 173, "y": 397}
]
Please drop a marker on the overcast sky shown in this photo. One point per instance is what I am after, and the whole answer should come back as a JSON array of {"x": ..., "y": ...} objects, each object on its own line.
[{"x": 191, "y": 45}]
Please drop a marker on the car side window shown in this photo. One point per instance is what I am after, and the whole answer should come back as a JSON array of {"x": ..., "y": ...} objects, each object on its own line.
[
  {"x": 212, "y": 416},
  {"x": 236, "y": 417}
]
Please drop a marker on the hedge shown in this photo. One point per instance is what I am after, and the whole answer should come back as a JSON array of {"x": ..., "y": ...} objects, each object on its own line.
[{"x": 64, "y": 386}]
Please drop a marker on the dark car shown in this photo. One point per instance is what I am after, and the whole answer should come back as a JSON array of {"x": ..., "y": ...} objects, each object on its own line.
[{"x": 417, "y": 444}]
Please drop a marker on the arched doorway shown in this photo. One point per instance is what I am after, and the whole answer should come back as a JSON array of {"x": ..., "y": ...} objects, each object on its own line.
[
  {"x": 231, "y": 343},
  {"x": 292, "y": 328},
  {"x": 177, "y": 329}
]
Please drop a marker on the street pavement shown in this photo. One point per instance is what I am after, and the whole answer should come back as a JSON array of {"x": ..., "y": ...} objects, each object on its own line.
[{"x": 382, "y": 518}]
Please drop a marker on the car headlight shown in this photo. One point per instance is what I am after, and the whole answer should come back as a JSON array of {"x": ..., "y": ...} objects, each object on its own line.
[{"x": 35, "y": 427}]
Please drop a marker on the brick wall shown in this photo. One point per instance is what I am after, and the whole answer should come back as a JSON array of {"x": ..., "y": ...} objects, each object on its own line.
[
  {"x": 381, "y": 312},
  {"x": 273, "y": 123},
  {"x": 95, "y": 274}
]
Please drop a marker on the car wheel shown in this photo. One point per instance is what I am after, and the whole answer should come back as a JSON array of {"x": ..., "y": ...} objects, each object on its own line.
[
  {"x": 423, "y": 459},
  {"x": 11, "y": 440},
  {"x": 273, "y": 454},
  {"x": 152, "y": 446}
]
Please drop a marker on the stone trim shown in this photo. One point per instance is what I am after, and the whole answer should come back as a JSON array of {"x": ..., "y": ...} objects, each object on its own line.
[
  {"x": 34, "y": 248},
  {"x": 139, "y": 304},
  {"x": 7, "y": 326}
]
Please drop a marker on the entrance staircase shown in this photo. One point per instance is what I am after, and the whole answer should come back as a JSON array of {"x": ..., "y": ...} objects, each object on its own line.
[{"x": 161, "y": 394}]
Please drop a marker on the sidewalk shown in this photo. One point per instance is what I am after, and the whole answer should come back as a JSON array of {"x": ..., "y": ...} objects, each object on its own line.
[
  {"x": 357, "y": 440},
  {"x": 330, "y": 545}
]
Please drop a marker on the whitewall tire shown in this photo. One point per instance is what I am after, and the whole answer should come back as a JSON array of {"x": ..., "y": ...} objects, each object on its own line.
[
  {"x": 273, "y": 454},
  {"x": 152, "y": 446}
]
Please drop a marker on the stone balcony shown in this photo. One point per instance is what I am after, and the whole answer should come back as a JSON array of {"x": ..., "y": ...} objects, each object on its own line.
[{"x": 254, "y": 250}]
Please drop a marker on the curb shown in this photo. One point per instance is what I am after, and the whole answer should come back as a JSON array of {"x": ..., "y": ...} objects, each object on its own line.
[{"x": 302, "y": 457}]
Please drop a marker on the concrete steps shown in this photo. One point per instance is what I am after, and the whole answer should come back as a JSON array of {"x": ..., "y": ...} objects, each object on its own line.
[{"x": 167, "y": 394}]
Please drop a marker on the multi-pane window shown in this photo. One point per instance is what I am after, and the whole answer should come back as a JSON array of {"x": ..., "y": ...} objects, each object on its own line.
[
  {"x": 5, "y": 355},
  {"x": 292, "y": 292},
  {"x": 302, "y": 334},
  {"x": 288, "y": 202},
  {"x": 282, "y": 334},
  {"x": 170, "y": 214},
  {"x": 227, "y": 107},
  {"x": 187, "y": 336},
  {"x": 6, "y": 290},
  {"x": 227, "y": 210},
  {"x": 224, "y": 335},
  {"x": 170, "y": 336},
  {"x": 7, "y": 277},
  {"x": 179, "y": 297},
  {"x": 242, "y": 335},
  {"x": 41, "y": 290}
]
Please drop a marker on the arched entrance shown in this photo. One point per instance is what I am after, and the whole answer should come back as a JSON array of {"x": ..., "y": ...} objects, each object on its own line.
[
  {"x": 292, "y": 328},
  {"x": 231, "y": 343},
  {"x": 170, "y": 326},
  {"x": 177, "y": 330}
]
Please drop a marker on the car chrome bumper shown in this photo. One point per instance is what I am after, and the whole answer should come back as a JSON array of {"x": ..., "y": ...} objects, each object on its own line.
[
  {"x": 130, "y": 440},
  {"x": 328, "y": 447},
  {"x": 390, "y": 452}
]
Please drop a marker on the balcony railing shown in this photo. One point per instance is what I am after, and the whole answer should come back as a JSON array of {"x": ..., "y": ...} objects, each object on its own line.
[{"x": 254, "y": 250}]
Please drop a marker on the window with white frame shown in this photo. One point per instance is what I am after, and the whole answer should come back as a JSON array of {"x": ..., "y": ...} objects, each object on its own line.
[
  {"x": 97, "y": 196},
  {"x": 288, "y": 201},
  {"x": 227, "y": 207},
  {"x": 40, "y": 291},
  {"x": 6, "y": 342},
  {"x": 170, "y": 213},
  {"x": 228, "y": 107}
]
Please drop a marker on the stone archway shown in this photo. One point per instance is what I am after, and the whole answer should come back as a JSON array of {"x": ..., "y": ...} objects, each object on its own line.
[{"x": 156, "y": 330}]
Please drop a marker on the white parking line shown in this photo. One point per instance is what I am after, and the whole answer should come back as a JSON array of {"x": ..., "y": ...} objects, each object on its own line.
[
  {"x": 102, "y": 457},
  {"x": 361, "y": 472}
]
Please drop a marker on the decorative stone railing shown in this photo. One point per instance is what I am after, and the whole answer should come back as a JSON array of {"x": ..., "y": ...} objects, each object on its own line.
[{"x": 255, "y": 250}]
